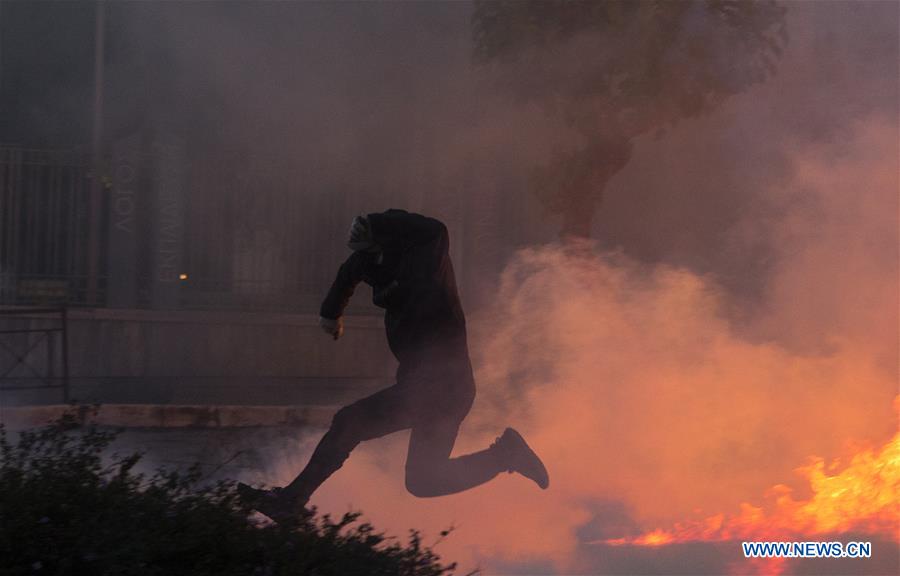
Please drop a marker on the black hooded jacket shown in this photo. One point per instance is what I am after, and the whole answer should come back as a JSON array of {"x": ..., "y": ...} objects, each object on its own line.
[{"x": 412, "y": 279}]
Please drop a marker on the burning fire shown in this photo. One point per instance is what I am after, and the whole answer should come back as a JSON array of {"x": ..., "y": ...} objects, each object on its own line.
[{"x": 864, "y": 497}]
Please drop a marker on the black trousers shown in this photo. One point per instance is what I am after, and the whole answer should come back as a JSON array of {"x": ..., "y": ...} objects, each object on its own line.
[{"x": 432, "y": 404}]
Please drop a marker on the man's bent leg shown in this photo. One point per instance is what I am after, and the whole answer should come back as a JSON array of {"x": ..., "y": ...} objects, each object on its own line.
[
  {"x": 372, "y": 417},
  {"x": 431, "y": 472}
]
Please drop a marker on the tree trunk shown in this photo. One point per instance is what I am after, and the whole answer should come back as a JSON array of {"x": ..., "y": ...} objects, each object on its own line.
[
  {"x": 578, "y": 217},
  {"x": 593, "y": 167}
]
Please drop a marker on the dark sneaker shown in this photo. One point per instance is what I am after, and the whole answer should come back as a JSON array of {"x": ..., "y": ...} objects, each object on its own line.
[
  {"x": 517, "y": 456},
  {"x": 272, "y": 503}
]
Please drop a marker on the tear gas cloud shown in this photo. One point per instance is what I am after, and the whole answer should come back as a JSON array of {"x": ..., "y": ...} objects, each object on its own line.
[
  {"x": 637, "y": 389},
  {"x": 736, "y": 315}
]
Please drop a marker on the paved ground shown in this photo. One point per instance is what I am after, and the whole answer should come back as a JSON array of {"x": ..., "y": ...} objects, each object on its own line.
[
  {"x": 171, "y": 415},
  {"x": 236, "y": 442},
  {"x": 246, "y": 454}
]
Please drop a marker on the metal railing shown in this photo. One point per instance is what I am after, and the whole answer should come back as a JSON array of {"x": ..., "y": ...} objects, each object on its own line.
[
  {"x": 43, "y": 196},
  {"x": 229, "y": 238},
  {"x": 34, "y": 349}
]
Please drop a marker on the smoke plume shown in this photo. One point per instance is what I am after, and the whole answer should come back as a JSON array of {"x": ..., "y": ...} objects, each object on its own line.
[{"x": 648, "y": 402}]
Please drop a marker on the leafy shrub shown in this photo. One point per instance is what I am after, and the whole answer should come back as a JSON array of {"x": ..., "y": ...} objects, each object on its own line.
[{"x": 64, "y": 510}]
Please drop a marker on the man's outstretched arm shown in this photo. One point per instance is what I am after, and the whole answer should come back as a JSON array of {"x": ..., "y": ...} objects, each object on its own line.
[{"x": 332, "y": 310}]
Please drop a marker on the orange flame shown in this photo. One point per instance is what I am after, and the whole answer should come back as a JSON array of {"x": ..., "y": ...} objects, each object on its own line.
[{"x": 864, "y": 497}]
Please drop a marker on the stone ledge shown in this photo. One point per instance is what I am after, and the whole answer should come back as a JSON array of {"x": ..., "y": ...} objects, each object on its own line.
[
  {"x": 372, "y": 319},
  {"x": 172, "y": 416}
]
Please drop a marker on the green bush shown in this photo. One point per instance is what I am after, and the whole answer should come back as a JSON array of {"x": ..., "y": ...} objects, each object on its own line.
[{"x": 64, "y": 510}]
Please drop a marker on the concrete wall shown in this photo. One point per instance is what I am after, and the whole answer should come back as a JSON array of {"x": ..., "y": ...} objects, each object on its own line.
[{"x": 194, "y": 357}]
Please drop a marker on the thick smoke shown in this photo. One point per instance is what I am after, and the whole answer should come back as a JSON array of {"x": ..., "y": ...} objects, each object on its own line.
[
  {"x": 699, "y": 351},
  {"x": 362, "y": 106},
  {"x": 648, "y": 403}
]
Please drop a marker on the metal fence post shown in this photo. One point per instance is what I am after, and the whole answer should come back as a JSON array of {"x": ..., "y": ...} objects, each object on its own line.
[
  {"x": 65, "y": 354},
  {"x": 96, "y": 158}
]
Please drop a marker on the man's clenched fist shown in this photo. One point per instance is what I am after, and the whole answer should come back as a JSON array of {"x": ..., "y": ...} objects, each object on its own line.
[{"x": 332, "y": 326}]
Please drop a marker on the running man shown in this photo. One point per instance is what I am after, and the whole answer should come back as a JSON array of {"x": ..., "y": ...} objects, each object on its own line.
[{"x": 405, "y": 258}]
